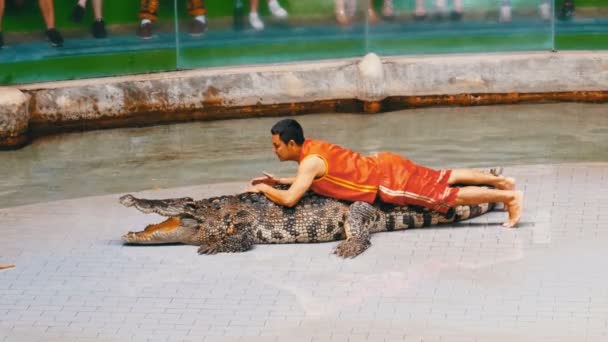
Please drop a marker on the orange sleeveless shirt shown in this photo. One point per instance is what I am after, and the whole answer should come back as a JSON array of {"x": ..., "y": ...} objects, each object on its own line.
[{"x": 348, "y": 175}]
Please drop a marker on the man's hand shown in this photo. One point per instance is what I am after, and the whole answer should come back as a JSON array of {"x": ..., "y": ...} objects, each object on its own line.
[
  {"x": 268, "y": 179},
  {"x": 254, "y": 188}
]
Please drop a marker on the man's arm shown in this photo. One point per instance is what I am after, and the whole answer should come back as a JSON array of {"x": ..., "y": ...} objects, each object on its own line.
[
  {"x": 272, "y": 180},
  {"x": 309, "y": 169}
]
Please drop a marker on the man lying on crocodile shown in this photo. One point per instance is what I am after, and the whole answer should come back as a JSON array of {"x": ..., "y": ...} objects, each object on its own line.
[
  {"x": 235, "y": 223},
  {"x": 336, "y": 172}
]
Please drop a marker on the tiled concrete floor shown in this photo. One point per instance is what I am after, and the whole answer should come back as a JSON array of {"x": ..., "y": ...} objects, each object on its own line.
[{"x": 475, "y": 281}]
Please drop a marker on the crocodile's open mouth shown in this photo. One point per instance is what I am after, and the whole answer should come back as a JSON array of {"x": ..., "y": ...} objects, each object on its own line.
[{"x": 169, "y": 231}]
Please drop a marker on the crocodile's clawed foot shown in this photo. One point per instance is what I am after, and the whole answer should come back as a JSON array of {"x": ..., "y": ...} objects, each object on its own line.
[
  {"x": 208, "y": 249},
  {"x": 496, "y": 171},
  {"x": 127, "y": 200},
  {"x": 351, "y": 247}
]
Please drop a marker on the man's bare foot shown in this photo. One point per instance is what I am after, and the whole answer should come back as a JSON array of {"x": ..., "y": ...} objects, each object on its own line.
[
  {"x": 506, "y": 183},
  {"x": 514, "y": 207}
]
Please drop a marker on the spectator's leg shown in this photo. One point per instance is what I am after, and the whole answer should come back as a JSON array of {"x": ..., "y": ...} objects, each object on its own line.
[
  {"x": 99, "y": 26},
  {"x": 148, "y": 13},
  {"x": 340, "y": 10},
  {"x": 1, "y": 16},
  {"x": 48, "y": 13},
  {"x": 148, "y": 10},
  {"x": 441, "y": 9},
  {"x": 196, "y": 9},
  {"x": 372, "y": 17},
  {"x": 505, "y": 11},
  {"x": 420, "y": 10},
  {"x": 351, "y": 8},
  {"x": 544, "y": 10},
  {"x": 1, "y": 13},
  {"x": 388, "y": 10},
  {"x": 457, "y": 10},
  {"x": 254, "y": 18},
  {"x": 97, "y": 9},
  {"x": 254, "y": 5}
]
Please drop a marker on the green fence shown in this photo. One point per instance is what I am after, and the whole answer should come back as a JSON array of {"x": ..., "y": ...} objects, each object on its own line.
[{"x": 313, "y": 29}]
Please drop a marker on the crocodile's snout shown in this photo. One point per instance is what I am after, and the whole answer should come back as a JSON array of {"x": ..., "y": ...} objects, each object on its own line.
[
  {"x": 130, "y": 237},
  {"x": 127, "y": 200}
]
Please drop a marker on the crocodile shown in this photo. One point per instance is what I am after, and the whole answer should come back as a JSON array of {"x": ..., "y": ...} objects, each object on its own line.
[{"x": 234, "y": 223}]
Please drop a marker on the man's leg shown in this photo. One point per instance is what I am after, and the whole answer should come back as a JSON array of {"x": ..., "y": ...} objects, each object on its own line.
[
  {"x": 474, "y": 177},
  {"x": 513, "y": 200}
]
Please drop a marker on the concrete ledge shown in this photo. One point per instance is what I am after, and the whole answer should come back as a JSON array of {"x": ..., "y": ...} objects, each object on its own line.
[
  {"x": 14, "y": 118},
  {"x": 371, "y": 85}
]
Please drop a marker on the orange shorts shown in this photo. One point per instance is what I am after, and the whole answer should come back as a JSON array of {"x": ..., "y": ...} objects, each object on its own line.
[{"x": 406, "y": 183}]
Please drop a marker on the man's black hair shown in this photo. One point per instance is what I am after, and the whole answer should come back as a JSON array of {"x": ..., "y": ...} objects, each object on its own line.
[{"x": 288, "y": 129}]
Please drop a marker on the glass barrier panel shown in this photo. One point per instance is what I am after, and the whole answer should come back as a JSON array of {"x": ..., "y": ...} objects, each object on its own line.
[
  {"x": 269, "y": 31},
  {"x": 84, "y": 38},
  {"x": 398, "y": 27},
  {"x": 581, "y": 25}
]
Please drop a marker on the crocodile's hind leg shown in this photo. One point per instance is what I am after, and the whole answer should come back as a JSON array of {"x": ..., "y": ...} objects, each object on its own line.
[
  {"x": 361, "y": 219},
  {"x": 172, "y": 230}
]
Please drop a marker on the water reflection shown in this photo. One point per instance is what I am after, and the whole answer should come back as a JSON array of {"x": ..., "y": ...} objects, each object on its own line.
[{"x": 123, "y": 160}]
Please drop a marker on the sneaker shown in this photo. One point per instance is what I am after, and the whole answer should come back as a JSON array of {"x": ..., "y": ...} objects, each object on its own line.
[
  {"x": 77, "y": 13},
  {"x": 54, "y": 37},
  {"x": 197, "y": 27},
  {"x": 255, "y": 21},
  {"x": 99, "y": 29},
  {"x": 455, "y": 16},
  {"x": 544, "y": 10},
  {"x": 505, "y": 14},
  {"x": 1, "y": 40},
  {"x": 144, "y": 30},
  {"x": 276, "y": 9}
]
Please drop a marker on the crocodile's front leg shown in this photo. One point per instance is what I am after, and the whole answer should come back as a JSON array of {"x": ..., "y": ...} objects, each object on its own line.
[
  {"x": 172, "y": 230},
  {"x": 232, "y": 234},
  {"x": 231, "y": 243},
  {"x": 360, "y": 220}
]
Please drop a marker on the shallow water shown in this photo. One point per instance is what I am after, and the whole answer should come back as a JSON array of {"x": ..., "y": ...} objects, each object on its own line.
[{"x": 127, "y": 160}]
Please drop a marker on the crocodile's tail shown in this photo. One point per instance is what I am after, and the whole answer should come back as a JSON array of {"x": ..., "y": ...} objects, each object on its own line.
[{"x": 407, "y": 217}]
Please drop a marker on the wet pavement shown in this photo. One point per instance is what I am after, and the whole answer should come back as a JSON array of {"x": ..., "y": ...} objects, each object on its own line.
[{"x": 125, "y": 160}]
